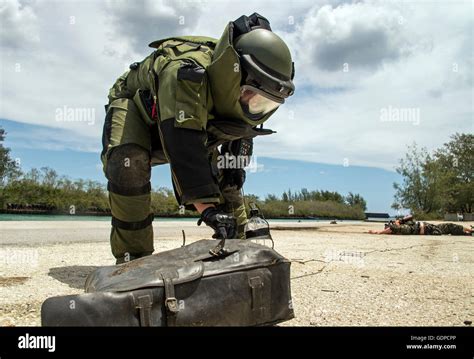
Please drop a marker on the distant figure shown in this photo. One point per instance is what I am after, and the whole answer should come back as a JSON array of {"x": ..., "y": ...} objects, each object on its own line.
[
  {"x": 333, "y": 222},
  {"x": 409, "y": 227}
]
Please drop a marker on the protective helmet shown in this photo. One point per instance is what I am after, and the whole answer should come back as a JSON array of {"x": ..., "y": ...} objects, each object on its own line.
[{"x": 268, "y": 71}]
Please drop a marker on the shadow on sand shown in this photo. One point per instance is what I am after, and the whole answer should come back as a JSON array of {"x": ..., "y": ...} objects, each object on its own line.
[{"x": 74, "y": 276}]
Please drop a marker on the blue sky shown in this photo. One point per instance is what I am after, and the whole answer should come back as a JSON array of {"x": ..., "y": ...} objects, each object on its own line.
[
  {"x": 360, "y": 65},
  {"x": 273, "y": 175}
]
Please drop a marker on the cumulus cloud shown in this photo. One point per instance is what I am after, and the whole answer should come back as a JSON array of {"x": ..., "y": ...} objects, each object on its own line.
[
  {"x": 18, "y": 24},
  {"x": 336, "y": 115},
  {"x": 400, "y": 55},
  {"x": 143, "y": 21},
  {"x": 361, "y": 35},
  {"x": 284, "y": 17}
]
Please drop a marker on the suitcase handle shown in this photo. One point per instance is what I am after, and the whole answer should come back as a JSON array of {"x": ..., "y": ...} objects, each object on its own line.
[{"x": 220, "y": 250}]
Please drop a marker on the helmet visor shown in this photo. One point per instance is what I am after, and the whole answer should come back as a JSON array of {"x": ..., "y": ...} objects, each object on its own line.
[{"x": 256, "y": 102}]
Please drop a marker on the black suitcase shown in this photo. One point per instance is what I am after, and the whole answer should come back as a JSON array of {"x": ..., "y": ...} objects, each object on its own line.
[{"x": 248, "y": 284}]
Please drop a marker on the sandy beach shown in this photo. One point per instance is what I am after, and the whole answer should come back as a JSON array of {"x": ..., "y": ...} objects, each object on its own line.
[{"x": 341, "y": 276}]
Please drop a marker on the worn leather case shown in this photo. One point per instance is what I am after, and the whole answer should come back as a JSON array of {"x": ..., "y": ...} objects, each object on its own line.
[{"x": 248, "y": 285}]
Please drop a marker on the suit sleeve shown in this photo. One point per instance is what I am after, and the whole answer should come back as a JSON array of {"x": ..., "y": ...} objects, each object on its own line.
[{"x": 182, "y": 99}]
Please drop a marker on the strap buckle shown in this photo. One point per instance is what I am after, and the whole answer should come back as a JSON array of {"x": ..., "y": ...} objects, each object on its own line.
[{"x": 172, "y": 305}]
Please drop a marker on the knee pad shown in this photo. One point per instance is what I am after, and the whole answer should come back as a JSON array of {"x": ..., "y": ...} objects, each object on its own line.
[{"x": 128, "y": 170}]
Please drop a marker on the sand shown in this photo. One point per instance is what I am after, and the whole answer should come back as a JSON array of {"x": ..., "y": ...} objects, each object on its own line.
[{"x": 341, "y": 276}]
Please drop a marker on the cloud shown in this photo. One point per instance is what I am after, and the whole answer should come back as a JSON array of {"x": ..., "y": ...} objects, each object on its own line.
[
  {"x": 67, "y": 67},
  {"x": 27, "y": 136},
  {"x": 143, "y": 21},
  {"x": 361, "y": 35},
  {"x": 216, "y": 14},
  {"x": 18, "y": 25},
  {"x": 400, "y": 55},
  {"x": 336, "y": 115}
]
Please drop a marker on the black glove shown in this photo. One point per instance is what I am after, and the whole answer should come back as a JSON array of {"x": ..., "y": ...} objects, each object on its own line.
[
  {"x": 234, "y": 177},
  {"x": 223, "y": 224}
]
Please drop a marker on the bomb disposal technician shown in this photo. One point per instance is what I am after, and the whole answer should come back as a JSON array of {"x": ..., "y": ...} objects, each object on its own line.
[{"x": 190, "y": 101}]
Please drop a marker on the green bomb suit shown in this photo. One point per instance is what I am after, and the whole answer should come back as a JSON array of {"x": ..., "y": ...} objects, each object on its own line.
[{"x": 177, "y": 106}]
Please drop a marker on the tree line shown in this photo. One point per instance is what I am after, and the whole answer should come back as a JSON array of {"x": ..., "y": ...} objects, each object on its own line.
[
  {"x": 45, "y": 189},
  {"x": 351, "y": 199},
  {"x": 433, "y": 183}
]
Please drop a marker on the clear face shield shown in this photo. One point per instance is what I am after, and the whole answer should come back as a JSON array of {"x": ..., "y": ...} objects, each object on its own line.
[{"x": 257, "y": 103}]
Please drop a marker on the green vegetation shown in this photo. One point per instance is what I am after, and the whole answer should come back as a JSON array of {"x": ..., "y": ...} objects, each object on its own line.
[
  {"x": 321, "y": 209},
  {"x": 44, "y": 189},
  {"x": 9, "y": 169},
  {"x": 314, "y": 204},
  {"x": 438, "y": 182}
]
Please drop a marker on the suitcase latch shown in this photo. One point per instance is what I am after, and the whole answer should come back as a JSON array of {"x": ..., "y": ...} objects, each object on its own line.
[
  {"x": 256, "y": 285},
  {"x": 144, "y": 305}
]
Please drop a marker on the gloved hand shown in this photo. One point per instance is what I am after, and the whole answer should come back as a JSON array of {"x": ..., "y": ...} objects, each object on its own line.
[
  {"x": 223, "y": 224},
  {"x": 234, "y": 177}
]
